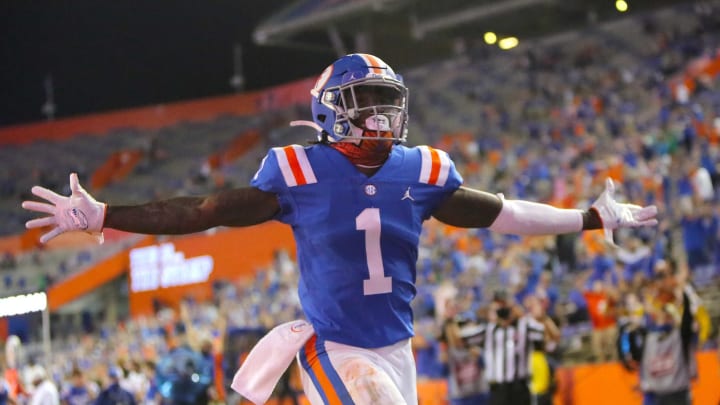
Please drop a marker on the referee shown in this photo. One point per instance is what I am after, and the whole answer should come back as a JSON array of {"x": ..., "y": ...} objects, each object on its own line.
[{"x": 506, "y": 339}]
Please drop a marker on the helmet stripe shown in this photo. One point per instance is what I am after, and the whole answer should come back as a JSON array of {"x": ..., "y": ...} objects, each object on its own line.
[{"x": 372, "y": 62}]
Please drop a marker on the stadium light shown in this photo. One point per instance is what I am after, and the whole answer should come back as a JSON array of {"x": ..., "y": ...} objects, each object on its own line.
[
  {"x": 23, "y": 304},
  {"x": 621, "y": 6},
  {"x": 508, "y": 43},
  {"x": 490, "y": 38}
]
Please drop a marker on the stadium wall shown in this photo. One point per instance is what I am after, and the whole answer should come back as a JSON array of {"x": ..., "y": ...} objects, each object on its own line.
[
  {"x": 158, "y": 116},
  {"x": 235, "y": 253}
]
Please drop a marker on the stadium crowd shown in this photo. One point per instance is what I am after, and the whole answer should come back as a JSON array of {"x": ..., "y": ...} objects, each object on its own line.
[{"x": 562, "y": 123}]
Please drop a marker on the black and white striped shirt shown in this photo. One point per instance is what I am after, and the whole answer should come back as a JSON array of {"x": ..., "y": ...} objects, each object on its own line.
[{"x": 506, "y": 350}]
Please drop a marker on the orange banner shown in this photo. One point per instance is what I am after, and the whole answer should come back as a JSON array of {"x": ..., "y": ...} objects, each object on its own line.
[{"x": 235, "y": 253}]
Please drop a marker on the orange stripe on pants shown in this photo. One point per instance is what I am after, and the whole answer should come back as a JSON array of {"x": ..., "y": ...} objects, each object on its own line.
[{"x": 322, "y": 378}]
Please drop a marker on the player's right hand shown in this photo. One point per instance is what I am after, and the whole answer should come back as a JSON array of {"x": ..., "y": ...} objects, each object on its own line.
[
  {"x": 79, "y": 212},
  {"x": 618, "y": 215}
]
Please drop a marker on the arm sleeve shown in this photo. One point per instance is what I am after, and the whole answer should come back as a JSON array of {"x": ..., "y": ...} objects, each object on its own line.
[{"x": 521, "y": 217}]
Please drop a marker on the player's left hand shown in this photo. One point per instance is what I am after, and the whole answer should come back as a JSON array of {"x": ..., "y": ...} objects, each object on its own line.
[{"x": 618, "y": 215}]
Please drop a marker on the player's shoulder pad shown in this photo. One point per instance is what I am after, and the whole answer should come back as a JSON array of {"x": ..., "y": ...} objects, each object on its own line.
[
  {"x": 434, "y": 164},
  {"x": 294, "y": 165}
]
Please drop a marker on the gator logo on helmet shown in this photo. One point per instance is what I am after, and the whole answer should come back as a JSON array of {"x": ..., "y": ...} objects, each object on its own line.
[{"x": 322, "y": 80}]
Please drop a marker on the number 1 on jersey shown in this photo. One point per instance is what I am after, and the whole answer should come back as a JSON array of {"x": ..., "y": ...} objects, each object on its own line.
[{"x": 378, "y": 283}]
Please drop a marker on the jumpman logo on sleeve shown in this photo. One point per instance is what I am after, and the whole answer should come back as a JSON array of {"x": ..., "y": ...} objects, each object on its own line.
[{"x": 407, "y": 195}]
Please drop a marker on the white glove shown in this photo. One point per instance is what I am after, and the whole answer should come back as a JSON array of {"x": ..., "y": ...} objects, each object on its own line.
[
  {"x": 616, "y": 215},
  {"x": 79, "y": 212}
]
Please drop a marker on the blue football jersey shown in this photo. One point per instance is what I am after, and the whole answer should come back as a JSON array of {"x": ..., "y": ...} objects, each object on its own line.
[{"x": 357, "y": 236}]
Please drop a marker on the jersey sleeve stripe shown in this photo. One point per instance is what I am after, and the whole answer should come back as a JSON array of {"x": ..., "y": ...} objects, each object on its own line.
[
  {"x": 444, "y": 168},
  {"x": 434, "y": 167},
  {"x": 295, "y": 166},
  {"x": 304, "y": 164},
  {"x": 285, "y": 167},
  {"x": 425, "y": 164}
]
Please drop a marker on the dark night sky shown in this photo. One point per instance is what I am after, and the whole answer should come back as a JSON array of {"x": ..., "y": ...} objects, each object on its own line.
[{"x": 105, "y": 55}]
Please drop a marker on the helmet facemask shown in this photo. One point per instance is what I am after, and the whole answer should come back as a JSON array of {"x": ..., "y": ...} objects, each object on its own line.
[{"x": 373, "y": 108}]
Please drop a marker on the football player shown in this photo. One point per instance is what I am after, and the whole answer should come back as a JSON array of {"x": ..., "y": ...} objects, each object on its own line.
[{"x": 356, "y": 201}]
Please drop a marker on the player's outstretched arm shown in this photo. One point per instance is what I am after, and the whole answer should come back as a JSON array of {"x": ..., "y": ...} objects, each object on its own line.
[
  {"x": 470, "y": 208},
  {"x": 237, "y": 207},
  {"x": 81, "y": 212}
]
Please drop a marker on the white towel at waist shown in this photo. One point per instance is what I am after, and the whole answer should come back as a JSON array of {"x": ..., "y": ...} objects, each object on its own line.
[{"x": 268, "y": 360}]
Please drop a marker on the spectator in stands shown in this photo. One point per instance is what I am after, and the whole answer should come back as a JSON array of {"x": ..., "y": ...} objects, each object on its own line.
[
  {"x": 135, "y": 380},
  {"x": 547, "y": 292},
  {"x": 184, "y": 375},
  {"x": 427, "y": 350},
  {"x": 601, "y": 308},
  {"x": 152, "y": 394},
  {"x": 699, "y": 230},
  {"x": 77, "y": 392},
  {"x": 576, "y": 306},
  {"x": 635, "y": 256},
  {"x": 466, "y": 382},
  {"x": 201, "y": 340},
  {"x": 703, "y": 189},
  {"x": 542, "y": 365},
  {"x": 44, "y": 390},
  {"x": 603, "y": 266},
  {"x": 667, "y": 363},
  {"x": 4, "y": 392},
  {"x": 11, "y": 375},
  {"x": 114, "y": 394}
]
